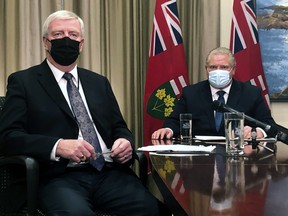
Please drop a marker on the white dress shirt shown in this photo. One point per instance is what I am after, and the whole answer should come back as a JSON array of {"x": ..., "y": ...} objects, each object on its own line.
[
  {"x": 227, "y": 90},
  {"x": 63, "y": 86}
]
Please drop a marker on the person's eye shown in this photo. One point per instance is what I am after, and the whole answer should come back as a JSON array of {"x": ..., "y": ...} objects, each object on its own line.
[
  {"x": 224, "y": 67},
  {"x": 57, "y": 35},
  {"x": 212, "y": 67},
  {"x": 73, "y": 35}
]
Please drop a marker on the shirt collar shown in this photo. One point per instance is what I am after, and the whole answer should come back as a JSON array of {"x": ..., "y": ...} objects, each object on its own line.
[
  {"x": 58, "y": 74},
  {"x": 215, "y": 90}
]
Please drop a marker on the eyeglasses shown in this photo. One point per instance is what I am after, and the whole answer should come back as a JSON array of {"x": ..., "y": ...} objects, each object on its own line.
[{"x": 221, "y": 67}]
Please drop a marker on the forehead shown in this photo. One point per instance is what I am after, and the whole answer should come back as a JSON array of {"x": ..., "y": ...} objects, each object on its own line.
[
  {"x": 219, "y": 59},
  {"x": 64, "y": 25}
]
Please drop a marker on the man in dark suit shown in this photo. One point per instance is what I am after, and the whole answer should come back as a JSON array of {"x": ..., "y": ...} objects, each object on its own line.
[
  {"x": 197, "y": 99},
  {"x": 39, "y": 120}
]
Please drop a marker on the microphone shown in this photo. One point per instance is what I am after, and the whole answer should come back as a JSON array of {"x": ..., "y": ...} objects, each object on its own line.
[
  {"x": 221, "y": 107},
  {"x": 276, "y": 130}
]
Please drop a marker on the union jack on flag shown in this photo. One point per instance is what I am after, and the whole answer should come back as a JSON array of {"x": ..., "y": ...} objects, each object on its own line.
[
  {"x": 244, "y": 43},
  {"x": 164, "y": 32},
  {"x": 239, "y": 40}
]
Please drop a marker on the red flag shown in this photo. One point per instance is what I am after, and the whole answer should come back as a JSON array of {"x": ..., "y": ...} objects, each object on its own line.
[
  {"x": 167, "y": 69},
  {"x": 244, "y": 43}
]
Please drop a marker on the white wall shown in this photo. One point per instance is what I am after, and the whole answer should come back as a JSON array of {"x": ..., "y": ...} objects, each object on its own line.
[{"x": 279, "y": 109}]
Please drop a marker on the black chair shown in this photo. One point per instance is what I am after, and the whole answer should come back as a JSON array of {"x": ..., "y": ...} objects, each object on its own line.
[{"x": 19, "y": 175}]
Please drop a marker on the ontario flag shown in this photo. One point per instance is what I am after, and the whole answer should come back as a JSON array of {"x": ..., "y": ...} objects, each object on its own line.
[
  {"x": 244, "y": 43},
  {"x": 167, "y": 70}
]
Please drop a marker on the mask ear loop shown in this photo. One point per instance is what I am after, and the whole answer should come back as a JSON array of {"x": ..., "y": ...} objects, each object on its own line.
[
  {"x": 45, "y": 38},
  {"x": 232, "y": 68}
]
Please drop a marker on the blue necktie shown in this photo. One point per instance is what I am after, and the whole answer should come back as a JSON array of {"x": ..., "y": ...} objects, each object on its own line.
[
  {"x": 219, "y": 115},
  {"x": 84, "y": 121}
]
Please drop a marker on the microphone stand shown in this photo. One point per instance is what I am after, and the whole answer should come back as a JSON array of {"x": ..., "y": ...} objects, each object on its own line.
[
  {"x": 280, "y": 132},
  {"x": 254, "y": 142}
]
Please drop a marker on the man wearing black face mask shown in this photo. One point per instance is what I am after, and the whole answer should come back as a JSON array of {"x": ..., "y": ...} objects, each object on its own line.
[
  {"x": 197, "y": 99},
  {"x": 68, "y": 119}
]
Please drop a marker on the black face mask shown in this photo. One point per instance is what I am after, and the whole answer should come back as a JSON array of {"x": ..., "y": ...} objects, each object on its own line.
[{"x": 64, "y": 51}]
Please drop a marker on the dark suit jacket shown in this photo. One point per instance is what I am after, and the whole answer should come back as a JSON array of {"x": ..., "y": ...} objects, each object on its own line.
[
  {"x": 197, "y": 99},
  {"x": 36, "y": 115}
]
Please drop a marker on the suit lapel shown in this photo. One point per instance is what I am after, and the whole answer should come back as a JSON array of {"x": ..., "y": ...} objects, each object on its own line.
[
  {"x": 88, "y": 86},
  {"x": 234, "y": 94},
  {"x": 207, "y": 102},
  {"x": 48, "y": 82}
]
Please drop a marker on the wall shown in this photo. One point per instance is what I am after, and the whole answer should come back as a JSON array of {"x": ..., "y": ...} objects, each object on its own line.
[{"x": 278, "y": 109}]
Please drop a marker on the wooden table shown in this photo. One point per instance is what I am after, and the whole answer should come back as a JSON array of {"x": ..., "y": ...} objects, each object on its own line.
[{"x": 202, "y": 185}]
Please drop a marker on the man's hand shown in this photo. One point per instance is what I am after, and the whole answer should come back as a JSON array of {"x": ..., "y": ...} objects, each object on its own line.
[
  {"x": 75, "y": 150},
  {"x": 161, "y": 142},
  {"x": 121, "y": 151},
  {"x": 162, "y": 133},
  {"x": 247, "y": 133}
]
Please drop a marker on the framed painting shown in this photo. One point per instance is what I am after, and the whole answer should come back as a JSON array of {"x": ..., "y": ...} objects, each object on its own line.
[{"x": 272, "y": 20}]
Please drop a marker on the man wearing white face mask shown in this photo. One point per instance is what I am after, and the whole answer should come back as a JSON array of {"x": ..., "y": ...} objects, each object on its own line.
[{"x": 197, "y": 99}]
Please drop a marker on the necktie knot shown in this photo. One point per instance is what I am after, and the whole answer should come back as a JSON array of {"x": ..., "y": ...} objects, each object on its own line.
[
  {"x": 67, "y": 76},
  {"x": 221, "y": 94}
]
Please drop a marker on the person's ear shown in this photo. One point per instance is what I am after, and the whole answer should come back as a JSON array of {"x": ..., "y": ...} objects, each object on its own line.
[
  {"x": 81, "y": 45},
  {"x": 46, "y": 43}
]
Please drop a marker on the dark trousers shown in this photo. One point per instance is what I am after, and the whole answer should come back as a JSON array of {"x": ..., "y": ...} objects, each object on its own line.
[{"x": 82, "y": 190}]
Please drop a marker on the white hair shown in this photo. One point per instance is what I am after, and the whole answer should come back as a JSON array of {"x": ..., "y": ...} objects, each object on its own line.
[{"x": 61, "y": 14}]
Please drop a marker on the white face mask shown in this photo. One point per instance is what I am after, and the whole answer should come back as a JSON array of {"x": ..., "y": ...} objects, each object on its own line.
[{"x": 219, "y": 78}]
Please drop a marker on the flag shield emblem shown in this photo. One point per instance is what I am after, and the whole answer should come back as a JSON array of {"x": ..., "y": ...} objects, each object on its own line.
[{"x": 161, "y": 102}]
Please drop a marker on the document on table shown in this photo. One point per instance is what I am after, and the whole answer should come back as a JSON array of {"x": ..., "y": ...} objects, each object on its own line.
[{"x": 178, "y": 148}]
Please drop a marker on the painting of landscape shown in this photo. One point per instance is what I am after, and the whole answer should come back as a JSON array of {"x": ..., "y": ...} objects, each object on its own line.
[{"x": 272, "y": 20}]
